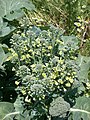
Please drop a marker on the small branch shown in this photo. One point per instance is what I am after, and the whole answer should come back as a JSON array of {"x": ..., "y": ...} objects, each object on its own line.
[
  {"x": 14, "y": 113},
  {"x": 27, "y": 17}
]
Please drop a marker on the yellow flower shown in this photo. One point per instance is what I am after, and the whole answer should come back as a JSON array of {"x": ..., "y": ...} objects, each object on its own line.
[
  {"x": 53, "y": 76},
  {"x": 48, "y": 54},
  {"x": 27, "y": 100},
  {"x": 82, "y": 27},
  {"x": 78, "y": 24},
  {"x": 68, "y": 84},
  {"x": 69, "y": 79},
  {"x": 74, "y": 73},
  {"x": 60, "y": 52},
  {"x": 88, "y": 85},
  {"x": 27, "y": 55},
  {"x": 43, "y": 96},
  {"x": 68, "y": 73},
  {"x": 64, "y": 89},
  {"x": 9, "y": 58},
  {"x": 23, "y": 35},
  {"x": 17, "y": 83},
  {"x": 62, "y": 73},
  {"x": 33, "y": 65},
  {"x": 39, "y": 98},
  {"x": 61, "y": 61},
  {"x": 30, "y": 50},
  {"x": 23, "y": 92},
  {"x": 49, "y": 47},
  {"x": 59, "y": 41},
  {"x": 15, "y": 55},
  {"x": 60, "y": 81},
  {"x": 87, "y": 95},
  {"x": 23, "y": 57},
  {"x": 44, "y": 75},
  {"x": 79, "y": 30},
  {"x": 56, "y": 83}
]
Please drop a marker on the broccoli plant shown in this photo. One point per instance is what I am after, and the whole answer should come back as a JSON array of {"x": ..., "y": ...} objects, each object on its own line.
[{"x": 45, "y": 65}]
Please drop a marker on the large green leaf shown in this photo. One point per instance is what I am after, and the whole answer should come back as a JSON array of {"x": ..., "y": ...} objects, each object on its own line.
[
  {"x": 5, "y": 29},
  {"x": 84, "y": 65},
  {"x": 70, "y": 40},
  {"x": 1, "y": 22},
  {"x": 10, "y": 10},
  {"x": 16, "y": 14},
  {"x": 3, "y": 55},
  {"x": 82, "y": 109},
  {"x": 6, "y": 108},
  {"x": 18, "y": 104},
  {"x": 9, "y": 6},
  {"x": 19, "y": 108}
]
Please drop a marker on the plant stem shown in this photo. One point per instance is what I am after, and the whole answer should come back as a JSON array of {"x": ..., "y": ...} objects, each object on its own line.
[
  {"x": 79, "y": 110},
  {"x": 13, "y": 113}
]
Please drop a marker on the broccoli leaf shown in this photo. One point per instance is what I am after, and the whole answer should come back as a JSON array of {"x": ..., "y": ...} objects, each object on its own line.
[
  {"x": 9, "y": 6},
  {"x": 82, "y": 109},
  {"x": 84, "y": 65},
  {"x": 6, "y": 108}
]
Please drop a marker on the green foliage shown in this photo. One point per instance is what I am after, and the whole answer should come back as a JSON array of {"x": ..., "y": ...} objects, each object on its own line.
[
  {"x": 6, "y": 108},
  {"x": 9, "y": 8},
  {"x": 83, "y": 104},
  {"x": 10, "y": 11},
  {"x": 3, "y": 55},
  {"x": 5, "y": 29},
  {"x": 7, "y": 86},
  {"x": 84, "y": 64},
  {"x": 23, "y": 114}
]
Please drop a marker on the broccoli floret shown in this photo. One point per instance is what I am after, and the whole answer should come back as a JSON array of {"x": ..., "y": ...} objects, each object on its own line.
[{"x": 59, "y": 108}]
